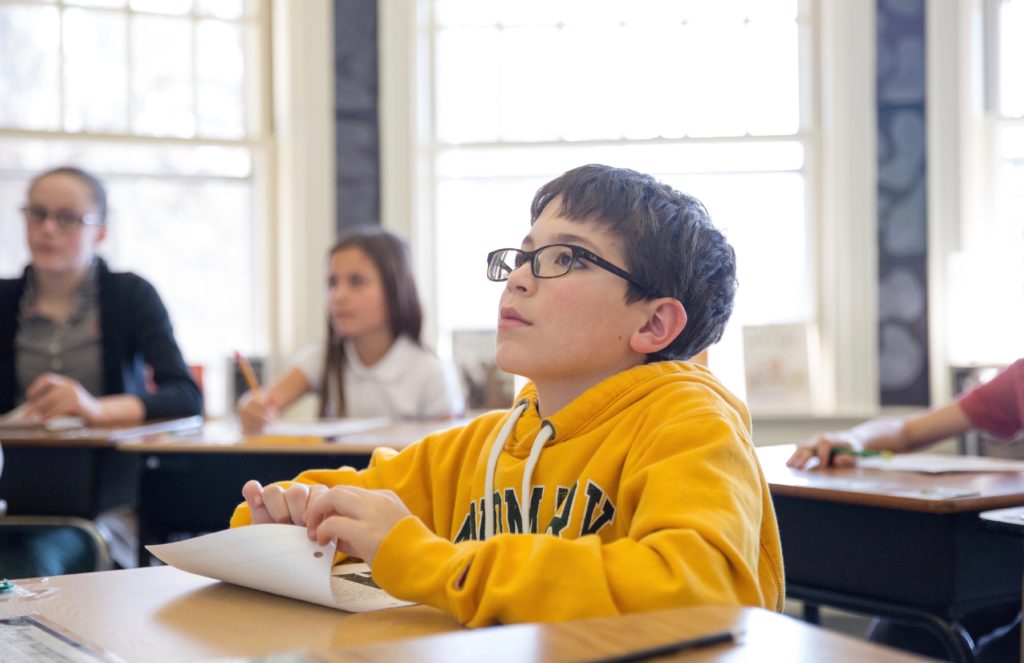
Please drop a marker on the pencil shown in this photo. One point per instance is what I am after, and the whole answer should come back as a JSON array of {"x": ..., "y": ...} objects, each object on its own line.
[
  {"x": 250, "y": 376},
  {"x": 860, "y": 453}
]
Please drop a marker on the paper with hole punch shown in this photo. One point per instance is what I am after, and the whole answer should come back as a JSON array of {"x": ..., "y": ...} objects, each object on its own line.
[{"x": 279, "y": 559}]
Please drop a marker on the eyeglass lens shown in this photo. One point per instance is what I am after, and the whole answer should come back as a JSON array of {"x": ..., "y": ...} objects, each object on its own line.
[
  {"x": 547, "y": 262},
  {"x": 65, "y": 219}
]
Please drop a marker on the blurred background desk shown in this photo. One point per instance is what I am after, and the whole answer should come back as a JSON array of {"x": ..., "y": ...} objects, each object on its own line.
[
  {"x": 888, "y": 543},
  {"x": 191, "y": 484}
]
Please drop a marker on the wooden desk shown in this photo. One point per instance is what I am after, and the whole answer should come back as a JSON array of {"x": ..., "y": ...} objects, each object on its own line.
[
  {"x": 162, "y": 614},
  {"x": 872, "y": 541},
  {"x": 193, "y": 483},
  {"x": 764, "y": 636}
]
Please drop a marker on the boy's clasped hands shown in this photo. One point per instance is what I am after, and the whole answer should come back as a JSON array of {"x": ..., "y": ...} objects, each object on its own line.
[{"x": 356, "y": 519}]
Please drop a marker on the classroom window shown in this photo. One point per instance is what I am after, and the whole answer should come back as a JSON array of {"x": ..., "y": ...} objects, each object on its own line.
[
  {"x": 1008, "y": 116},
  {"x": 707, "y": 96},
  {"x": 985, "y": 302},
  {"x": 163, "y": 100}
]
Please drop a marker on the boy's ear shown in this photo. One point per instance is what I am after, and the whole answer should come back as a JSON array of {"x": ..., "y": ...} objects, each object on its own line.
[{"x": 665, "y": 321}]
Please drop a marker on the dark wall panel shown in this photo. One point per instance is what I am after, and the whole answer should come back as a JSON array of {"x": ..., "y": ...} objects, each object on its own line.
[
  {"x": 902, "y": 204},
  {"x": 356, "y": 117}
]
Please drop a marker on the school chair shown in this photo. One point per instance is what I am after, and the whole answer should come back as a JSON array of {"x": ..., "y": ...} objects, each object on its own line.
[{"x": 33, "y": 546}]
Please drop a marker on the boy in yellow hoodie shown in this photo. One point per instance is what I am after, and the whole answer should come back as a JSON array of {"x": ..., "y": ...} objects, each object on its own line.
[{"x": 622, "y": 480}]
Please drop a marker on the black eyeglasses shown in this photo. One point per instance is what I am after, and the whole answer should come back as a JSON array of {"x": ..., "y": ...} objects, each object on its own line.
[
  {"x": 552, "y": 261},
  {"x": 66, "y": 220}
]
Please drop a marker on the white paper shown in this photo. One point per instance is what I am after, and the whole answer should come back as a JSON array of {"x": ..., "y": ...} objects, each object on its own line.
[
  {"x": 16, "y": 420},
  {"x": 938, "y": 463},
  {"x": 326, "y": 428},
  {"x": 279, "y": 559}
]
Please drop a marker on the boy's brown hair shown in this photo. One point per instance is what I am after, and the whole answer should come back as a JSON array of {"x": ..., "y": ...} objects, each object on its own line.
[{"x": 670, "y": 244}]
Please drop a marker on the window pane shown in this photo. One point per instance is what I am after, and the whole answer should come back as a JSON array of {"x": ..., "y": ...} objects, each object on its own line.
[
  {"x": 94, "y": 44},
  {"x": 162, "y": 99},
  {"x": 772, "y": 85},
  {"x": 13, "y": 248},
  {"x": 227, "y": 9},
  {"x": 221, "y": 80},
  {"x": 461, "y": 13},
  {"x": 679, "y": 69},
  {"x": 162, "y": 6},
  {"x": 1011, "y": 55},
  {"x": 106, "y": 4},
  {"x": 533, "y": 97},
  {"x": 467, "y": 86},
  {"x": 1010, "y": 188},
  {"x": 29, "y": 74}
]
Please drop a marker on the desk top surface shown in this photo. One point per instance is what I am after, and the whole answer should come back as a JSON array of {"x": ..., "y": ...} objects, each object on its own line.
[
  {"x": 953, "y": 492},
  {"x": 162, "y": 614},
  {"x": 106, "y": 436},
  {"x": 226, "y": 439}
]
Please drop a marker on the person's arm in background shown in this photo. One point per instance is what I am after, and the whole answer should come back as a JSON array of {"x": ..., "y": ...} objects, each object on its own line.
[
  {"x": 52, "y": 395},
  {"x": 884, "y": 434},
  {"x": 258, "y": 409}
]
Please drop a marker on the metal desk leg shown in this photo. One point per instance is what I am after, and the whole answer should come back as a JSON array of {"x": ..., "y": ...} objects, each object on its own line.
[{"x": 957, "y": 642}]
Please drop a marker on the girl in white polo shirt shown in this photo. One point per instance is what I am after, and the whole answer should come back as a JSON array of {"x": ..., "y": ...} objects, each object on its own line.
[{"x": 373, "y": 363}]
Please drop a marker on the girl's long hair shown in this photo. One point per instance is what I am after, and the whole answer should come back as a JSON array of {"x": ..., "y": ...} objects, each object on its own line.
[{"x": 390, "y": 255}]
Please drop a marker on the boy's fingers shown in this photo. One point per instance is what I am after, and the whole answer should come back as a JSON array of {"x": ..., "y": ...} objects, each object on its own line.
[
  {"x": 252, "y": 492},
  {"x": 297, "y": 499},
  {"x": 274, "y": 501},
  {"x": 336, "y": 528},
  {"x": 341, "y": 500}
]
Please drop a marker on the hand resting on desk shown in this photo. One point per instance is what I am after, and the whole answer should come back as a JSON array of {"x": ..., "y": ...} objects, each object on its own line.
[{"x": 356, "y": 519}]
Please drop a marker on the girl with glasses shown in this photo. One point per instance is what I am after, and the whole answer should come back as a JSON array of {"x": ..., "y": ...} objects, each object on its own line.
[{"x": 75, "y": 337}]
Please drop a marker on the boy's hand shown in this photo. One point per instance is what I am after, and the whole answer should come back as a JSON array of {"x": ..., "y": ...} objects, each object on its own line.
[
  {"x": 52, "y": 395},
  {"x": 355, "y": 518},
  {"x": 821, "y": 447},
  {"x": 256, "y": 410},
  {"x": 275, "y": 504}
]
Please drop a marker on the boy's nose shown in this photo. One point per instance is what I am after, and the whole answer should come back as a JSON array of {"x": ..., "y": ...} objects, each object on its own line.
[{"x": 522, "y": 278}]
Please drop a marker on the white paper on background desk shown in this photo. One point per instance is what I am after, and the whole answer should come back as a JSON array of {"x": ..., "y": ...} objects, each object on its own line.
[
  {"x": 326, "y": 428},
  {"x": 938, "y": 463},
  {"x": 16, "y": 420},
  {"x": 279, "y": 559}
]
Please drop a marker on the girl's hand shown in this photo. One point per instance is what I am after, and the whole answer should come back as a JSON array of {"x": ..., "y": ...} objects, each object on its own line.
[
  {"x": 356, "y": 519},
  {"x": 52, "y": 395},
  {"x": 275, "y": 504},
  {"x": 256, "y": 410},
  {"x": 821, "y": 448}
]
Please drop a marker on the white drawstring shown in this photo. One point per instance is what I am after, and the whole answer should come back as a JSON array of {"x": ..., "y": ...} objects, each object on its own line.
[
  {"x": 545, "y": 434},
  {"x": 546, "y": 431},
  {"x": 492, "y": 464}
]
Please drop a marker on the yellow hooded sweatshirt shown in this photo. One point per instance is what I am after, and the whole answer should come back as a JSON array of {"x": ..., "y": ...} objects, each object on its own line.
[{"x": 644, "y": 493}]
